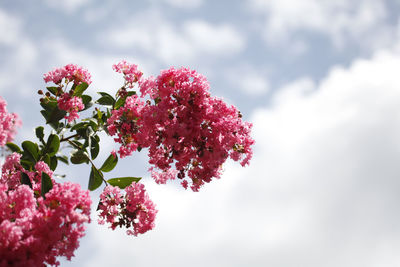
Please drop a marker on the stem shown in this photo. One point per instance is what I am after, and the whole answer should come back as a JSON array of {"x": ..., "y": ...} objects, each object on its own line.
[
  {"x": 69, "y": 137},
  {"x": 101, "y": 174}
]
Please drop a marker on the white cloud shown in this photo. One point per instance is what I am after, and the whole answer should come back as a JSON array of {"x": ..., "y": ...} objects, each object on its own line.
[
  {"x": 216, "y": 39},
  {"x": 342, "y": 21},
  {"x": 21, "y": 56},
  {"x": 254, "y": 84},
  {"x": 248, "y": 80},
  {"x": 172, "y": 44},
  {"x": 97, "y": 13},
  {"x": 68, "y": 6},
  {"x": 187, "y": 4},
  {"x": 10, "y": 28},
  {"x": 322, "y": 189}
]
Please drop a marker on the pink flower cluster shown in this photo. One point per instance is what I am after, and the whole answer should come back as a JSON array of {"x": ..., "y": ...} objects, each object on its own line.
[
  {"x": 125, "y": 123},
  {"x": 71, "y": 73},
  {"x": 11, "y": 171},
  {"x": 134, "y": 210},
  {"x": 36, "y": 230},
  {"x": 72, "y": 105},
  {"x": 8, "y": 123},
  {"x": 189, "y": 133},
  {"x": 130, "y": 72}
]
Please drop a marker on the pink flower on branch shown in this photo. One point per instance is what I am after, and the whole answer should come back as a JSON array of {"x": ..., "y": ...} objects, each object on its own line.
[
  {"x": 125, "y": 123},
  {"x": 37, "y": 230},
  {"x": 11, "y": 171},
  {"x": 72, "y": 105},
  {"x": 8, "y": 123},
  {"x": 66, "y": 99},
  {"x": 134, "y": 210},
  {"x": 189, "y": 133},
  {"x": 130, "y": 72},
  {"x": 71, "y": 73}
]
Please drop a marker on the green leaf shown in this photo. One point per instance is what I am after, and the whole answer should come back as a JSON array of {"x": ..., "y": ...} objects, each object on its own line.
[
  {"x": 63, "y": 159},
  {"x": 52, "y": 146},
  {"x": 31, "y": 150},
  {"x": 53, "y": 163},
  {"x": 106, "y": 100},
  {"x": 87, "y": 101},
  {"x": 80, "y": 89},
  {"x": 13, "y": 147},
  {"x": 99, "y": 114},
  {"x": 94, "y": 148},
  {"x": 93, "y": 123},
  {"x": 46, "y": 184},
  {"x": 79, "y": 157},
  {"x": 45, "y": 114},
  {"x": 27, "y": 164},
  {"x": 80, "y": 125},
  {"x": 120, "y": 102},
  {"x": 109, "y": 163},
  {"x": 53, "y": 89},
  {"x": 51, "y": 112},
  {"x": 76, "y": 143},
  {"x": 46, "y": 159},
  {"x": 95, "y": 178},
  {"x": 40, "y": 133},
  {"x": 56, "y": 115},
  {"x": 105, "y": 94},
  {"x": 123, "y": 182},
  {"x": 25, "y": 179},
  {"x": 49, "y": 104}
]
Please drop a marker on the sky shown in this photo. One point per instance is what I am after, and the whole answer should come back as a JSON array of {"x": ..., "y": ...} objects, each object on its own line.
[{"x": 319, "y": 81}]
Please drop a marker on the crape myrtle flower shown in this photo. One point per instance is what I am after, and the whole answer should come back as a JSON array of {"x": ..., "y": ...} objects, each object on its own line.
[
  {"x": 189, "y": 134},
  {"x": 71, "y": 73},
  {"x": 36, "y": 230},
  {"x": 62, "y": 77},
  {"x": 8, "y": 123},
  {"x": 133, "y": 210},
  {"x": 72, "y": 105}
]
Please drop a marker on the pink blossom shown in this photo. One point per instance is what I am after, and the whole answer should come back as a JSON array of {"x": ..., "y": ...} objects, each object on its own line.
[
  {"x": 37, "y": 230},
  {"x": 134, "y": 210},
  {"x": 195, "y": 133},
  {"x": 70, "y": 104},
  {"x": 125, "y": 122},
  {"x": 110, "y": 200},
  {"x": 11, "y": 171},
  {"x": 41, "y": 166},
  {"x": 65, "y": 99},
  {"x": 164, "y": 176},
  {"x": 189, "y": 134},
  {"x": 70, "y": 72},
  {"x": 130, "y": 72},
  {"x": 184, "y": 183},
  {"x": 8, "y": 123},
  {"x": 148, "y": 87}
]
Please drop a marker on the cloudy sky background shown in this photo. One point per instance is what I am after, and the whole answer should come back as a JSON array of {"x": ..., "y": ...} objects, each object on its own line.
[{"x": 318, "y": 79}]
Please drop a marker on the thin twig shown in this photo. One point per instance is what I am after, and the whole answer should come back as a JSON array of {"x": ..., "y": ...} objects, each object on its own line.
[
  {"x": 69, "y": 137},
  {"x": 101, "y": 174}
]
